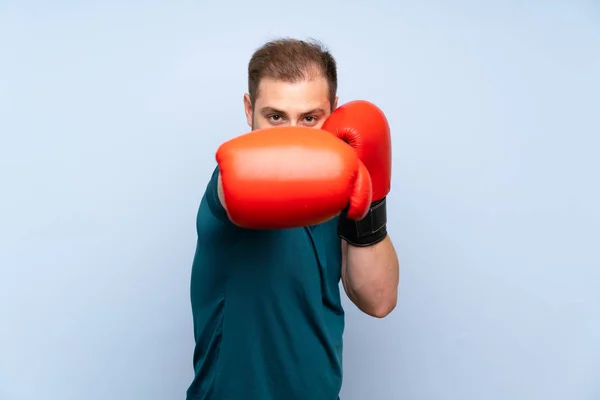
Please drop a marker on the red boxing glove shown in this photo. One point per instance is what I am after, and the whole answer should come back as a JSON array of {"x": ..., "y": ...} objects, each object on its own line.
[
  {"x": 365, "y": 128},
  {"x": 289, "y": 177}
]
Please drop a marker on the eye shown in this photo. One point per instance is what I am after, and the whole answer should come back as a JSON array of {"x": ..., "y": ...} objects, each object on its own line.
[
  {"x": 310, "y": 120},
  {"x": 275, "y": 117}
]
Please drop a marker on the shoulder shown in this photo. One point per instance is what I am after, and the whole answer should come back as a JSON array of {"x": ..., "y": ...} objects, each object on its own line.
[
  {"x": 212, "y": 197},
  {"x": 211, "y": 214}
]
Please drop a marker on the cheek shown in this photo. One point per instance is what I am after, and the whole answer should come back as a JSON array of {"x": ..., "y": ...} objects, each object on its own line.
[
  {"x": 259, "y": 122},
  {"x": 320, "y": 123}
]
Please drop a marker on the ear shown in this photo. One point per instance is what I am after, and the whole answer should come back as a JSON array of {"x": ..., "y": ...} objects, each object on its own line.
[
  {"x": 335, "y": 103},
  {"x": 248, "y": 109}
]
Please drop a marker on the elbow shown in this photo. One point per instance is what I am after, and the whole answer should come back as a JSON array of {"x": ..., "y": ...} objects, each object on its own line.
[
  {"x": 384, "y": 309},
  {"x": 375, "y": 303},
  {"x": 381, "y": 308}
]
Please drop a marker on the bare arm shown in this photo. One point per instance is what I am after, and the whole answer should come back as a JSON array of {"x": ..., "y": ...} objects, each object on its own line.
[{"x": 370, "y": 276}]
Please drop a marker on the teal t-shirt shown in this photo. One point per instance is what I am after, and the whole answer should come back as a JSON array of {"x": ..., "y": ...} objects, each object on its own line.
[{"x": 268, "y": 319}]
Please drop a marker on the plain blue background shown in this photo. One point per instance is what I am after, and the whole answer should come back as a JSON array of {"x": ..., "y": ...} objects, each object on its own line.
[{"x": 110, "y": 114}]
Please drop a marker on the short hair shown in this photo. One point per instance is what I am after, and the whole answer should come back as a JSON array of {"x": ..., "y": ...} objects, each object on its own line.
[{"x": 291, "y": 60}]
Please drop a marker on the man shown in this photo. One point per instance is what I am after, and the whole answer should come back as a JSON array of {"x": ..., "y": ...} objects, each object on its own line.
[{"x": 268, "y": 319}]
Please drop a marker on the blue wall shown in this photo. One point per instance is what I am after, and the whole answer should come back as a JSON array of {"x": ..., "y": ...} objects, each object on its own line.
[{"x": 110, "y": 114}]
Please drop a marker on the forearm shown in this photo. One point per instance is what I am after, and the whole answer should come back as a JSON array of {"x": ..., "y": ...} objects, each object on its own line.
[{"x": 370, "y": 277}]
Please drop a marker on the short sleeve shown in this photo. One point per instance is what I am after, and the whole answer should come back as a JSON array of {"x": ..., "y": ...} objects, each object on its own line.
[{"x": 212, "y": 198}]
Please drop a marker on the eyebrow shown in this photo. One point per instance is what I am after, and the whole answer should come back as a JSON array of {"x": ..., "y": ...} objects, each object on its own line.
[{"x": 276, "y": 111}]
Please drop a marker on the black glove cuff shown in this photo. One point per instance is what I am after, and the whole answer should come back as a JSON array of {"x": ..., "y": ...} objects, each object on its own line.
[{"x": 367, "y": 231}]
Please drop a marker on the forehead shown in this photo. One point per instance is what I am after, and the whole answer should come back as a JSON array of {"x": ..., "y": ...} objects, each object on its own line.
[{"x": 292, "y": 97}]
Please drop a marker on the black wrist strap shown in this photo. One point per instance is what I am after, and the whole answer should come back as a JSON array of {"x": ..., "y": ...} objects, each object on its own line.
[{"x": 368, "y": 231}]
